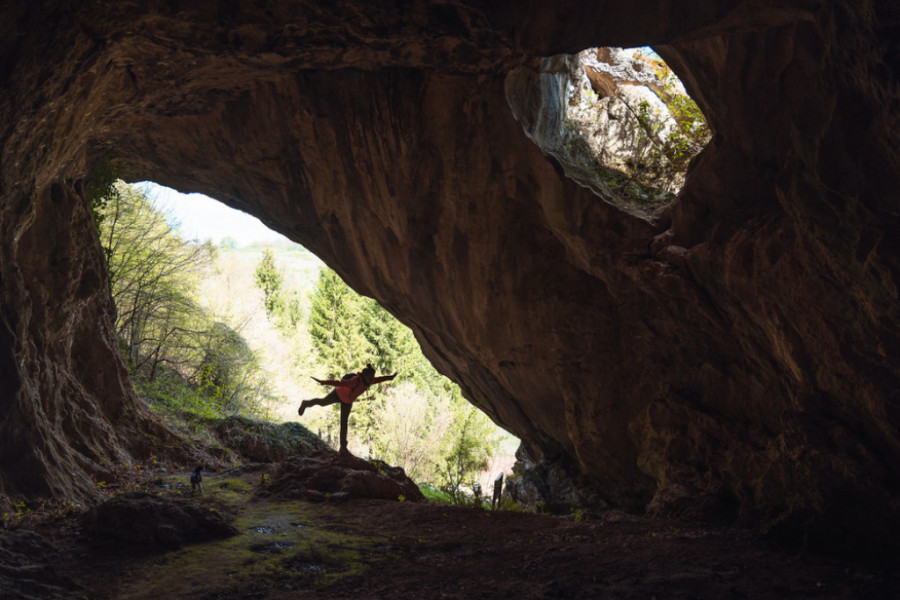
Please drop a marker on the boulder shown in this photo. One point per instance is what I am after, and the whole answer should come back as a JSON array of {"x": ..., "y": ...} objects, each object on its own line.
[
  {"x": 28, "y": 564},
  {"x": 261, "y": 441},
  {"x": 333, "y": 476},
  {"x": 144, "y": 519}
]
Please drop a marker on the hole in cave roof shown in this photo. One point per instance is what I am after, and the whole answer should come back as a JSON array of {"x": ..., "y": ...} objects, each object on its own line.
[{"x": 619, "y": 122}]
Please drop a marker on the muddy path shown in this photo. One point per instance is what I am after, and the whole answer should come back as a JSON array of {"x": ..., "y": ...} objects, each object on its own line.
[{"x": 404, "y": 550}]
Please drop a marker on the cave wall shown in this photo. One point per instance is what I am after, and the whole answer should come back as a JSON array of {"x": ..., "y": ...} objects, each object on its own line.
[{"x": 739, "y": 349}]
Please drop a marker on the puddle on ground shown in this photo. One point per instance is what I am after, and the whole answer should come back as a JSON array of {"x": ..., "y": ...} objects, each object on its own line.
[
  {"x": 261, "y": 529},
  {"x": 231, "y": 488},
  {"x": 311, "y": 569},
  {"x": 297, "y": 564},
  {"x": 271, "y": 548}
]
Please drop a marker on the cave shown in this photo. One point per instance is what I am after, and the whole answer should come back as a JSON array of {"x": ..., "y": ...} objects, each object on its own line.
[{"x": 735, "y": 352}]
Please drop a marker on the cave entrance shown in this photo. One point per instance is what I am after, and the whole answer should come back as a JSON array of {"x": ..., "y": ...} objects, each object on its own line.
[
  {"x": 618, "y": 121},
  {"x": 220, "y": 316}
]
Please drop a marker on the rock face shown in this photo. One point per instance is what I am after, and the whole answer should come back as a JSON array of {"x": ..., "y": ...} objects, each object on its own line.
[
  {"x": 266, "y": 442},
  {"x": 331, "y": 476},
  {"x": 742, "y": 345},
  {"x": 28, "y": 568},
  {"x": 143, "y": 519}
]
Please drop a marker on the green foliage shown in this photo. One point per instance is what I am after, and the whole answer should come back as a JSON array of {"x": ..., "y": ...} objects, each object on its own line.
[
  {"x": 288, "y": 311},
  {"x": 392, "y": 348},
  {"x": 229, "y": 374},
  {"x": 434, "y": 494},
  {"x": 350, "y": 331},
  {"x": 266, "y": 441},
  {"x": 420, "y": 421},
  {"x": 336, "y": 314},
  {"x": 409, "y": 429},
  {"x": 171, "y": 344},
  {"x": 283, "y": 305},
  {"x": 629, "y": 149},
  {"x": 101, "y": 189},
  {"x": 152, "y": 274},
  {"x": 269, "y": 280},
  {"x": 171, "y": 394},
  {"x": 671, "y": 148},
  {"x": 672, "y": 139},
  {"x": 469, "y": 447}
]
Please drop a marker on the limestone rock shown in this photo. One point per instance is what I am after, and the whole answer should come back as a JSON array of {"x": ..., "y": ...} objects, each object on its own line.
[
  {"x": 140, "y": 518},
  {"x": 603, "y": 115},
  {"x": 27, "y": 568},
  {"x": 266, "y": 442},
  {"x": 332, "y": 476}
]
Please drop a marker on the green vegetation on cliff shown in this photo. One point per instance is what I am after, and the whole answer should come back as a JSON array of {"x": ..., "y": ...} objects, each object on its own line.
[{"x": 182, "y": 356}]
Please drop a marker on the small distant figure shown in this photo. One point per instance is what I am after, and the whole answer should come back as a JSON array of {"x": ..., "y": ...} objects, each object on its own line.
[
  {"x": 346, "y": 391},
  {"x": 498, "y": 492},
  {"x": 197, "y": 480}
]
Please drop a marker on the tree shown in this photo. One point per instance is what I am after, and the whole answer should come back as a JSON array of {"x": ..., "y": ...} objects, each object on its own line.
[
  {"x": 160, "y": 326},
  {"x": 152, "y": 274},
  {"x": 269, "y": 280},
  {"x": 101, "y": 189},
  {"x": 392, "y": 347},
  {"x": 412, "y": 429},
  {"x": 421, "y": 421},
  {"x": 229, "y": 374},
  {"x": 469, "y": 447},
  {"x": 334, "y": 323}
]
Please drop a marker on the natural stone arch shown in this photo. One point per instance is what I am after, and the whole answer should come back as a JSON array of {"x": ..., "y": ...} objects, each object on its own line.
[{"x": 678, "y": 358}]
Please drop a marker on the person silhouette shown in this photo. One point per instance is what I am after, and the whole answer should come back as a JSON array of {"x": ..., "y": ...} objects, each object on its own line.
[{"x": 345, "y": 391}]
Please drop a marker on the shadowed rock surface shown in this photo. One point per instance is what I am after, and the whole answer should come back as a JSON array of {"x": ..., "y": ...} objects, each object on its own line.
[
  {"x": 331, "y": 476},
  {"x": 26, "y": 571},
  {"x": 740, "y": 347},
  {"x": 266, "y": 442},
  {"x": 141, "y": 518}
]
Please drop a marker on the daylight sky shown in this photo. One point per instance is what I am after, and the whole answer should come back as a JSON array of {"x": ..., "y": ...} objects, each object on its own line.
[{"x": 201, "y": 218}]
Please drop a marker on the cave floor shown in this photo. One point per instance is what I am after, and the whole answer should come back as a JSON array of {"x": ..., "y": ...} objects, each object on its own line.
[{"x": 402, "y": 550}]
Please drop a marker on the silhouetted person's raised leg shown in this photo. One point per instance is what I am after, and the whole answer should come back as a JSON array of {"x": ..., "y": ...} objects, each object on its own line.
[{"x": 328, "y": 400}]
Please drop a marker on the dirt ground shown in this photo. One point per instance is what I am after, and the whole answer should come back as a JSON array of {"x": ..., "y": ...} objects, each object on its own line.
[{"x": 403, "y": 550}]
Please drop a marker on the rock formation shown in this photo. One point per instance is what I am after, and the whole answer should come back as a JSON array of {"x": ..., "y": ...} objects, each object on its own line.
[
  {"x": 142, "y": 518},
  {"x": 331, "y": 476},
  {"x": 741, "y": 347}
]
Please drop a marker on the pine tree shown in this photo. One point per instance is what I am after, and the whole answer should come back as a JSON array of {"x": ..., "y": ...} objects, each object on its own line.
[
  {"x": 335, "y": 317},
  {"x": 269, "y": 280},
  {"x": 393, "y": 347}
]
